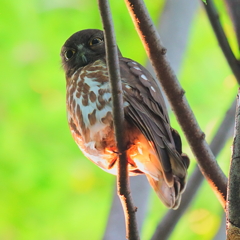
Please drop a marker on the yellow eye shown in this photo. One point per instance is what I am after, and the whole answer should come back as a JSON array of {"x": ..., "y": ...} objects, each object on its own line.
[
  {"x": 69, "y": 53},
  {"x": 95, "y": 41}
]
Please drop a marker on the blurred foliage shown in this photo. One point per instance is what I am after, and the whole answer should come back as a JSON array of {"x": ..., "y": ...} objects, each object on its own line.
[{"x": 48, "y": 189}]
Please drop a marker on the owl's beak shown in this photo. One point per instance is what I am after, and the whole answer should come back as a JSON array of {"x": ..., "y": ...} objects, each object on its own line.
[{"x": 81, "y": 55}]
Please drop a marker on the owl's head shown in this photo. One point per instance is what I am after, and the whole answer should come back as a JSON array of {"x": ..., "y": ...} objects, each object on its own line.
[{"x": 82, "y": 48}]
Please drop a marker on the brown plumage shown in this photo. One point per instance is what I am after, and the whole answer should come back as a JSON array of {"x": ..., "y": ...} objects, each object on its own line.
[{"x": 153, "y": 147}]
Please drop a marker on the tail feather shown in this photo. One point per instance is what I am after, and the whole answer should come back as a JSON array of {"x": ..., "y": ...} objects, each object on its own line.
[
  {"x": 165, "y": 193},
  {"x": 170, "y": 196}
]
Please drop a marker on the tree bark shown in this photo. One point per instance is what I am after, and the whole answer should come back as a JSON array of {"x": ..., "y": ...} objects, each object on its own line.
[{"x": 233, "y": 198}]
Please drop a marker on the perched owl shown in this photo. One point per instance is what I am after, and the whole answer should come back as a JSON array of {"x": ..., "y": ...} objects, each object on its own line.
[{"x": 153, "y": 147}]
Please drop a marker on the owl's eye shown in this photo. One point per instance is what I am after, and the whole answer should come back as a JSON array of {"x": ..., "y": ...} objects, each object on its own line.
[
  {"x": 69, "y": 53},
  {"x": 95, "y": 41}
]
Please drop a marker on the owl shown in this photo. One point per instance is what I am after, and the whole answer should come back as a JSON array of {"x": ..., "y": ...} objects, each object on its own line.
[{"x": 154, "y": 148}]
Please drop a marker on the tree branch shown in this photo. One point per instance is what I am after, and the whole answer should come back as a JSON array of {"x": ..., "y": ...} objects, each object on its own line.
[
  {"x": 175, "y": 94},
  {"x": 118, "y": 121},
  {"x": 233, "y": 198},
  {"x": 169, "y": 221},
  {"x": 219, "y": 139},
  {"x": 175, "y": 17},
  {"x": 222, "y": 39}
]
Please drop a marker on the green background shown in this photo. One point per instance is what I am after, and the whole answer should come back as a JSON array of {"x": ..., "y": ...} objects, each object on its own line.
[{"x": 48, "y": 190}]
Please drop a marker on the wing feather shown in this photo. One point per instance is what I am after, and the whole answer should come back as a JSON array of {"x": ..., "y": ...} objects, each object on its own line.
[{"x": 148, "y": 112}]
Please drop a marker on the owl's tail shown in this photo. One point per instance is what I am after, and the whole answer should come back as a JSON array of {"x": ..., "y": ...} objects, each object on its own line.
[{"x": 169, "y": 193}]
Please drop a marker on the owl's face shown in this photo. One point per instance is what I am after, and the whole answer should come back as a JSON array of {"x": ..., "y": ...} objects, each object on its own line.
[{"x": 82, "y": 48}]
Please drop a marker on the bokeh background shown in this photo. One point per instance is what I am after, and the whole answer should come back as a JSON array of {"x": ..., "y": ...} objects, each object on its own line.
[{"x": 48, "y": 190}]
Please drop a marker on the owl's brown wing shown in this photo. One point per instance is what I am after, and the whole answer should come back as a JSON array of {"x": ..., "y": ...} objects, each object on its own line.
[{"x": 148, "y": 112}]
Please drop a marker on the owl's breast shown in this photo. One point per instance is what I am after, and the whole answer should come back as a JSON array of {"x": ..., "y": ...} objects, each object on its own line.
[
  {"x": 89, "y": 98},
  {"x": 89, "y": 108}
]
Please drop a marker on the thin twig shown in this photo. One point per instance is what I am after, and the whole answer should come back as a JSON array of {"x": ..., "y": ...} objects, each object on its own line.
[
  {"x": 233, "y": 197},
  {"x": 222, "y": 39},
  {"x": 169, "y": 221},
  {"x": 118, "y": 121},
  {"x": 234, "y": 12},
  {"x": 175, "y": 94},
  {"x": 140, "y": 190}
]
